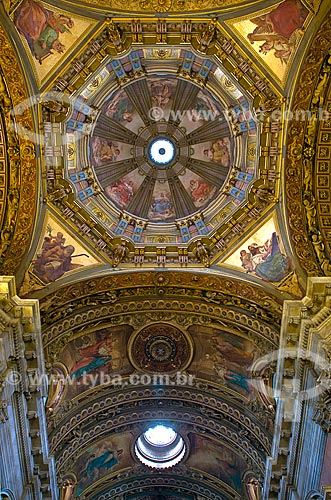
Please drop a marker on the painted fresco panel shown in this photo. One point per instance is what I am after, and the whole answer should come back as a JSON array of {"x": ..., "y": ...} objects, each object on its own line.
[
  {"x": 225, "y": 358},
  {"x": 263, "y": 255},
  {"x": 201, "y": 191},
  {"x": 122, "y": 191},
  {"x": 108, "y": 151},
  {"x": 59, "y": 253},
  {"x": 48, "y": 32},
  {"x": 215, "y": 151},
  {"x": 203, "y": 110},
  {"x": 219, "y": 461},
  {"x": 275, "y": 34},
  {"x": 120, "y": 109},
  {"x": 102, "y": 458},
  {"x": 162, "y": 208},
  {"x": 93, "y": 359}
]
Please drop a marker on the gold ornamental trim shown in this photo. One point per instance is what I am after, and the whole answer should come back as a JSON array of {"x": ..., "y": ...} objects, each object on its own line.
[
  {"x": 301, "y": 157},
  {"x": 21, "y": 162}
]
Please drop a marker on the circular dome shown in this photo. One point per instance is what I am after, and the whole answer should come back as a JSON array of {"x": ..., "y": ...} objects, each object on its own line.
[
  {"x": 161, "y": 151},
  {"x": 160, "y": 447},
  {"x": 153, "y": 153}
]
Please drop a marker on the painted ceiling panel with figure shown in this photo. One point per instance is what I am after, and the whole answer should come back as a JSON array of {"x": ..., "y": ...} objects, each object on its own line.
[
  {"x": 224, "y": 358},
  {"x": 275, "y": 34},
  {"x": 48, "y": 33},
  {"x": 262, "y": 255},
  {"x": 59, "y": 253},
  {"x": 160, "y": 252},
  {"x": 95, "y": 359}
]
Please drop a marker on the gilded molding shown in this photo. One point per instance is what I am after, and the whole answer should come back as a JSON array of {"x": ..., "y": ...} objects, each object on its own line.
[
  {"x": 301, "y": 151},
  {"x": 21, "y": 195}
]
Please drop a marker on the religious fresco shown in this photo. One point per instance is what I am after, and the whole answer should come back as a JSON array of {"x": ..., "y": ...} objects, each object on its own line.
[
  {"x": 162, "y": 207},
  {"x": 120, "y": 109},
  {"x": 204, "y": 109},
  {"x": 97, "y": 358},
  {"x": 102, "y": 458},
  {"x": 48, "y": 32},
  {"x": 262, "y": 255},
  {"x": 215, "y": 151},
  {"x": 201, "y": 191},
  {"x": 59, "y": 253},
  {"x": 162, "y": 92},
  {"x": 107, "y": 151},
  {"x": 218, "y": 460},
  {"x": 225, "y": 358},
  {"x": 275, "y": 34},
  {"x": 122, "y": 191}
]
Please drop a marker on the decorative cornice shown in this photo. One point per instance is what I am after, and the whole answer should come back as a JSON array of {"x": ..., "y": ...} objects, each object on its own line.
[
  {"x": 302, "y": 156},
  {"x": 21, "y": 164}
]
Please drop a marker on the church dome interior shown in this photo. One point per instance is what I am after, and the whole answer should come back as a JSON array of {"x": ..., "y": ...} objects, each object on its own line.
[{"x": 165, "y": 250}]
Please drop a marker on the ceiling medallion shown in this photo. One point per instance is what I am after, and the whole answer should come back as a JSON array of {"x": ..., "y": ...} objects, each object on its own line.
[
  {"x": 161, "y": 5},
  {"x": 160, "y": 348}
]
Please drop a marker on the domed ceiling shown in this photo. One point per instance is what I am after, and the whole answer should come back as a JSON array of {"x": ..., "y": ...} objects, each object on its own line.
[
  {"x": 160, "y": 244},
  {"x": 163, "y": 154}
]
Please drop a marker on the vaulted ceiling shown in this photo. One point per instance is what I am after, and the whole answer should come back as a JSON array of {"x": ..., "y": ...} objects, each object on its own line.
[{"x": 164, "y": 187}]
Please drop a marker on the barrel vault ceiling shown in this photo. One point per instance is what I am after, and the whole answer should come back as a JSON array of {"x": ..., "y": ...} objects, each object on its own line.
[{"x": 164, "y": 187}]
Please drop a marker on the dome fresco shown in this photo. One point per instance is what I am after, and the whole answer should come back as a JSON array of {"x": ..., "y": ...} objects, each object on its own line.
[
  {"x": 165, "y": 211},
  {"x": 205, "y": 130}
]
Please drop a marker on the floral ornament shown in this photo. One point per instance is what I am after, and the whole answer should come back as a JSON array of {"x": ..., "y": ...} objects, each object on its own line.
[{"x": 161, "y": 5}]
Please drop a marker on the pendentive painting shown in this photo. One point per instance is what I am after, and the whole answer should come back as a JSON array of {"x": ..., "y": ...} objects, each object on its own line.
[
  {"x": 59, "y": 253},
  {"x": 49, "y": 33},
  {"x": 262, "y": 255},
  {"x": 275, "y": 34}
]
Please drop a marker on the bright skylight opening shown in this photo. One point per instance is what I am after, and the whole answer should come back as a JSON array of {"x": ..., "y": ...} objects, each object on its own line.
[
  {"x": 159, "y": 435},
  {"x": 162, "y": 151},
  {"x": 160, "y": 447}
]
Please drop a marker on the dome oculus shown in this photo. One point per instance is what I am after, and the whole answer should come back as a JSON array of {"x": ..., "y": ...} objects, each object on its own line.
[{"x": 161, "y": 151}]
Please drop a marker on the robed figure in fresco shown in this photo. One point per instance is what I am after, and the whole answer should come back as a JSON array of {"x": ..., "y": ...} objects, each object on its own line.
[
  {"x": 41, "y": 28},
  {"x": 280, "y": 29}
]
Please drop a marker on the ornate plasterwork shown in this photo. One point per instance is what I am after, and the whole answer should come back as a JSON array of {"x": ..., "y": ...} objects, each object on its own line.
[
  {"x": 21, "y": 362},
  {"x": 168, "y": 6},
  {"x": 307, "y": 157},
  {"x": 160, "y": 348},
  {"x": 21, "y": 192},
  {"x": 127, "y": 239},
  {"x": 304, "y": 350},
  {"x": 193, "y": 281}
]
